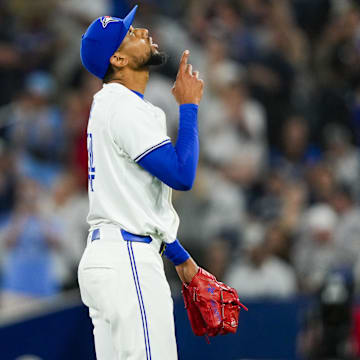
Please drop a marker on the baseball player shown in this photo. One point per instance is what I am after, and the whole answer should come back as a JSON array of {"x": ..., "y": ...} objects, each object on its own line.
[{"x": 132, "y": 168}]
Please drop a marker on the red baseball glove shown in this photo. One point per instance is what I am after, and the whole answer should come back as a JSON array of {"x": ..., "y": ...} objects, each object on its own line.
[{"x": 213, "y": 307}]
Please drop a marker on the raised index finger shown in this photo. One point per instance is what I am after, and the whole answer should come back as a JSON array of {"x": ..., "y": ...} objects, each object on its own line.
[{"x": 183, "y": 61}]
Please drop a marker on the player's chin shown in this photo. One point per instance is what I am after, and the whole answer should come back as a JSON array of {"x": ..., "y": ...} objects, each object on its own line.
[{"x": 157, "y": 58}]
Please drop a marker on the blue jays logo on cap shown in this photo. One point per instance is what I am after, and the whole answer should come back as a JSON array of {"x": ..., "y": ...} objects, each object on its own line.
[{"x": 105, "y": 20}]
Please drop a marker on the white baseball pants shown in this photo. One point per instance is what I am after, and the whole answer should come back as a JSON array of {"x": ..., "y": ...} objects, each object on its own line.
[{"x": 124, "y": 285}]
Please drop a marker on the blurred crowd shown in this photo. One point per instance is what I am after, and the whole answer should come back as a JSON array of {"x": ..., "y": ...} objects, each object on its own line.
[{"x": 275, "y": 209}]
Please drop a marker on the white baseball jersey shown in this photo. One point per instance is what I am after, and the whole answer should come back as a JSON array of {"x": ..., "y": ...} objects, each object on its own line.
[{"x": 122, "y": 129}]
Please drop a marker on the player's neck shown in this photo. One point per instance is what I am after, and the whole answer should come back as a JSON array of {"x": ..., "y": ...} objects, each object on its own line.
[{"x": 133, "y": 80}]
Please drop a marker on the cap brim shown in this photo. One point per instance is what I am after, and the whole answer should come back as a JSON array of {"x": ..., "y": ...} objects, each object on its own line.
[{"x": 130, "y": 17}]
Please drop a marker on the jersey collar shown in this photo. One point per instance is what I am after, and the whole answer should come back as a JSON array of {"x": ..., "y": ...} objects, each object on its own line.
[
  {"x": 121, "y": 88},
  {"x": 138, "y": 94}
]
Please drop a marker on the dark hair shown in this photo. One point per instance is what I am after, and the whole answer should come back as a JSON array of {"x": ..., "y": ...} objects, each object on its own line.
[{"x": 109, "y": 74}]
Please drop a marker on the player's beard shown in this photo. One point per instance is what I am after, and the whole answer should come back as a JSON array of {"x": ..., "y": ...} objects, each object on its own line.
[{"x": 154, "y": 59}]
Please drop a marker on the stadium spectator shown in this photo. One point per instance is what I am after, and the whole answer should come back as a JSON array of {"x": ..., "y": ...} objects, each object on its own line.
[
  {"x": 315, "y": 251},
  {"x": 261, "y": 274},
  {"x": 73, "y": 17},
  {"x": 77, "y": 110},
  {"x": 347, "y": 230},
  {"x": 295, "y": 152},
  {"x": 33, "y": 36},
  {"x": 27, "y": 271},
  {"x": 236, "y": 141},
  {"x": 35, "y": 128},
  {"x": 343, "y": 157},
  {"x": 214, "y": 205},
  {"x": 321, "y": 182},
  {"x": 67, "y": 208}
]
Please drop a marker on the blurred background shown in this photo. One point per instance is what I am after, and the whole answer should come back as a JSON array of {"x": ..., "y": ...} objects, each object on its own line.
[{"x": 275, "y": 210}]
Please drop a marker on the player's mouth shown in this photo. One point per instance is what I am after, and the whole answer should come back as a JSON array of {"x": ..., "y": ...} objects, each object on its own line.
[{"x": 153, "y": 44}]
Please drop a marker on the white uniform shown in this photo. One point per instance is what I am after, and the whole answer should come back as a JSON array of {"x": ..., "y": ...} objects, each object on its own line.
[{"x": 123, "y": 282}]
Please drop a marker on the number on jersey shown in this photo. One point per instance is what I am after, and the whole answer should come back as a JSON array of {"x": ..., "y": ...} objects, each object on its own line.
[{"x": 91, "y": 166}]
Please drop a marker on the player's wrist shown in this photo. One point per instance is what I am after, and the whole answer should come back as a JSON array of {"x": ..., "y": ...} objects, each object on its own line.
[
  {"x": 189, "y": 102},
  {"x": 187, "y": 270},
  {"x": 190, "y": 270}
]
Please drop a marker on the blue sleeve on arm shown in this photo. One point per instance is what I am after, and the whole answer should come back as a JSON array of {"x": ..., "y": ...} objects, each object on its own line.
[
  {"x": 176, "y": 166},
  {"x": 176, "y": 253}
]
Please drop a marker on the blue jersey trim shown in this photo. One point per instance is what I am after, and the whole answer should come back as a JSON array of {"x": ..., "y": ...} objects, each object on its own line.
[
  {"x": 139, "y": 157},
  {"x": 140, "y": 95},
  {"x": 140, "y": 300}
]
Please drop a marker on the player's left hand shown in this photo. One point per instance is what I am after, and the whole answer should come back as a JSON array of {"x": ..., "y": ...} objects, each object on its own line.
[{"x": 188, "y": 88}]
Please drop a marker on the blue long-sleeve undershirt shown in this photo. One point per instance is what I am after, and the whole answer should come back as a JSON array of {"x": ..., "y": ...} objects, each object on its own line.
[{"x": 176, "y": 166}]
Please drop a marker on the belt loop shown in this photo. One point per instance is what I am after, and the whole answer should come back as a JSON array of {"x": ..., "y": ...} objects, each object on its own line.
[{"x": 95, "y": 235}]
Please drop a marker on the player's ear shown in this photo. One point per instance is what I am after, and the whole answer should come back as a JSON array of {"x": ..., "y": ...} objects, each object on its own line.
[{"x": 118, "y": 60}]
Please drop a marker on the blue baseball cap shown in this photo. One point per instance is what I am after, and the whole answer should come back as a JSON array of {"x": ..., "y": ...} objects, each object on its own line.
[{"x": 102, "y": 38}]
